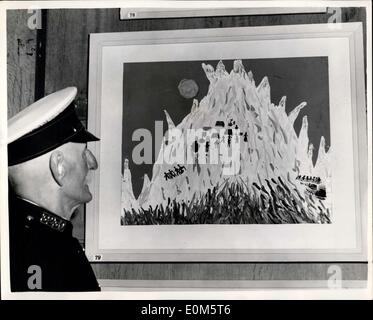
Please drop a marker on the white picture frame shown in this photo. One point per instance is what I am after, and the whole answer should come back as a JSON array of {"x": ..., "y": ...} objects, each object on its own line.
[{"x": 343, "y": 240}]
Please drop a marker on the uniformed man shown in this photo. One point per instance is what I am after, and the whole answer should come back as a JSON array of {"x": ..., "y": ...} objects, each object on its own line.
[{"x": 48, "y": 165}]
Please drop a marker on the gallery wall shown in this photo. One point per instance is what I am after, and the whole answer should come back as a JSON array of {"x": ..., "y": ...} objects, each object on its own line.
[
  {"x": 21, "y": 42},
  {"x": 66, "y": 47}
]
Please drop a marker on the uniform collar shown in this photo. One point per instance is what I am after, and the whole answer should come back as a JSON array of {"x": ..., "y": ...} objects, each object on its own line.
[{"x": 31, "y": 215}]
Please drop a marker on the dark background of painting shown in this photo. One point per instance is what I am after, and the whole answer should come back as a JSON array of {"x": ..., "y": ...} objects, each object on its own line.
[{"x": 151, "y": 87}]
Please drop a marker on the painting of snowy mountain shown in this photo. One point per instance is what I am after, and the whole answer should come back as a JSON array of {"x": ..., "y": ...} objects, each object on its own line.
[{"x": 243, "y": 142}]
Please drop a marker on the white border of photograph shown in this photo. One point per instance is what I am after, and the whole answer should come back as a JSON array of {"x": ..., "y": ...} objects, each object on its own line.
[{"x": 342, "y": 240}]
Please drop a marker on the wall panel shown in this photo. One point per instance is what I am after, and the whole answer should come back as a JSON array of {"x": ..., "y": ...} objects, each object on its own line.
[{"x": 21, "y": 47}]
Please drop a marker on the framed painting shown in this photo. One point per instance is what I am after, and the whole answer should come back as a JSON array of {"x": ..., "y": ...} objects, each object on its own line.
[{"x": 232, "y": 144}]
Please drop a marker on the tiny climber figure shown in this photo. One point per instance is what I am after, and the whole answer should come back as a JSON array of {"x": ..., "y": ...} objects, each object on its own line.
[
  {"x": 179, "y": 170},
  {"x": 170, "y": 174}
]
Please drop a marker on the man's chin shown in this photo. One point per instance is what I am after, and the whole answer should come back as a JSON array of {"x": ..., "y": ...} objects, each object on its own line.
[{"x": 87, "y": 195}]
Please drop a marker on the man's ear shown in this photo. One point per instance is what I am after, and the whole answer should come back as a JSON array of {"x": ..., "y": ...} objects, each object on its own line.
[{"x": 57, "y": 166}]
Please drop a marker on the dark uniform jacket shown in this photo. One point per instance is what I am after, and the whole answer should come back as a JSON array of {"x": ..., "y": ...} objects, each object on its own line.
[{"x": 42, "y": 239}]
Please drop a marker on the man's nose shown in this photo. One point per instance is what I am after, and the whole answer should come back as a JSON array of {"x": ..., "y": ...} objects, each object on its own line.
[{"x": 91, "y": 160}]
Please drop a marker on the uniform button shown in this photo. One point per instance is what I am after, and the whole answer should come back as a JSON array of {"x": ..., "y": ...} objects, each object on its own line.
[{"x": 29, "y": 219}]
